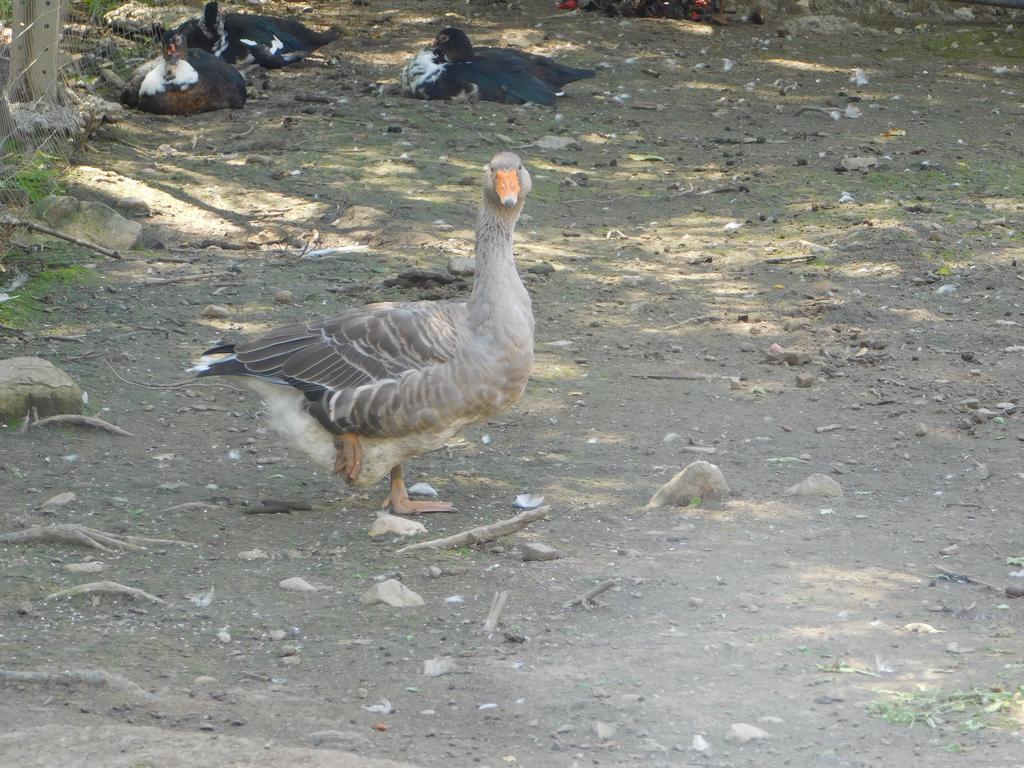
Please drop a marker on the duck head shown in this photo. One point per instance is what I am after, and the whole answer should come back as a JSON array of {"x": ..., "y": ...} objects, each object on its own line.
[
  {"x": 175, "y": 48},
  {"x": 454, "y": 44},
  {"x": 506, "y": 182}
]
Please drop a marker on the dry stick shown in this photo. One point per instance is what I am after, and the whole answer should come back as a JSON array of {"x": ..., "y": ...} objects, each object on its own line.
[
  {"x": 84, "y": 421},
  {"x": 33, "y": 227},
  {"x": 106, "y": 588},
  {"x": 72, "y": 533},
  {"x": 182, "y": 278},
  {"x": 587, "y": 598},
  {"x": 483, "y": 533},
  {"x": 98, "y": 677},
  {"x": 791, "y": 259},
  {"x": 497, "y": 606}
]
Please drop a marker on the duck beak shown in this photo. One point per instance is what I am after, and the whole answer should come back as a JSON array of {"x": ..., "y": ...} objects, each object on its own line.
[{"x": 506, "y": 185}]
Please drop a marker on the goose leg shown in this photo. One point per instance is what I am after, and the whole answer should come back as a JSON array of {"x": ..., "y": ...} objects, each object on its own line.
[
  {"x": 398, "y": 498},
  {"x": 349, "y": 458}
]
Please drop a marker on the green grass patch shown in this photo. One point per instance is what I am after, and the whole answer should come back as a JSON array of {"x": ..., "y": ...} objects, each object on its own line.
[
  {"x": 975, "y": 44},
  {"x": 46, "y": 289},
  {"x": 972, "y": 710},
  {"x": 40, "y": 177}
]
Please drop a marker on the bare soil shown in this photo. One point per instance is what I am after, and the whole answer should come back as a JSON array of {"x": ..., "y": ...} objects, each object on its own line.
[{"x": 664, "y": 225}]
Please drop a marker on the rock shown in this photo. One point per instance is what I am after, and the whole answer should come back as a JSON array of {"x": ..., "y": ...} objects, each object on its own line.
[
  {"x": 604, "y": 731},
  {"x": 541, "y": 268},
  {"x": 284, "y": 297},
  {"x": 253, "y": 554},
  {"x": 920, "y": 429},
  {"x": 700, "y": 478},
  {"x": 394, "y": 524},
  {"x": 391, "y": 592},
  {"x": 204, "y": 680},
  {"x": 31, "y": 382},
  {"x": 297, "y": 584},
  {"x": 215, "y": 311},
  {"x": 348, "y": 740},
  {"x": 93, "y": 222},
  {"x": 90, "y": 567},
  {"x": 857, "y": 163},
  {"x": 277, "y": 635},
  {"x": 259, "y": 160},
  {"x": 438, "y": 667},
  {"x": 223, "y": 636},
  {"x": 134, "y": 205},
  {"x": 805, "y": 380},
  {"x": 952, "y": 549},
  {"x": 815, "y": 485},
  {"x": 745, "y": 732},
  {"x": 60, "y": 500},
  {"x": 700, "y": 744},
  {"x": 462, "y": 266},
  {"x": 537, "y": 552}
]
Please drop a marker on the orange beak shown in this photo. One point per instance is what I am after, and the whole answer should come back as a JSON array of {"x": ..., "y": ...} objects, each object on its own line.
[{"x": 506, "y": 185}]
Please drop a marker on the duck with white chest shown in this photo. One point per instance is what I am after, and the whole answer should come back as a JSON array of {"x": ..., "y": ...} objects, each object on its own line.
[{"x": 184, "y": 81}]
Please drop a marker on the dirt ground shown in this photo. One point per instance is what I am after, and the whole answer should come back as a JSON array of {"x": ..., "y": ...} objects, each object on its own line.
[{"x": 866, "y": 630}]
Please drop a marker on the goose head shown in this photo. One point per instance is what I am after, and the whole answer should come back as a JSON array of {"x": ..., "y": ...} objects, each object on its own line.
[
  {"x": 174, "y": 47},
  {"x": 454, "y": 44},
  {"x": 506, "y": 182}
]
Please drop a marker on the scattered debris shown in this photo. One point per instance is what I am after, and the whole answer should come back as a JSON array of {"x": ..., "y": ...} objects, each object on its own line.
[{"x": 481, "y": 534}]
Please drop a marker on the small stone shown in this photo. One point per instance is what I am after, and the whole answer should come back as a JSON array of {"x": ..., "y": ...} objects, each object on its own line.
[
  {"x": 439, "y": 666},
  {"x": 1015, "y": 591},
  {"x": 462, "y": 266},
  {"x": 297, "y": 584},
  {"x": 60, "y": 500},
  {"x": 435, "y": 572},
  {"x": 700, "y": 744},
  {"x": 734, "y": 384},
  {"x": 535, "y": 551},
  {"x": 745, "y": 732},
  {"x": 204, "y": 680},
  {"x": 805, "y": 380},
  {"x": 952, "y": 549},
  {"x": 253, "y": 554},
  {"x": 700, "y": 479},
  {"x": 391, "y": 592},
  {"x": 540, "y": 268},
  {"x": 695, "y": 602},
  {"x": 920, "y": 429},
  {"x": 284, "y": 297},
  {"x": 815, "y": 485},
  {"x": 277, "y": 634},
  {"x": 223, "y": 636},
  {"x": 401, "y": 526},
  {"x": 215, "y": 311},
  {"x": 603, "y": 731},
  {"x": 291, "y": 661},
  {"x": 91, "y": 567}
]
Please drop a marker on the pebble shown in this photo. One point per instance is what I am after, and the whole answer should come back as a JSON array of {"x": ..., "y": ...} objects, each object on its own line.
[
  {"x": 603, "y": 731},
  {"x": 745, "y": 732},
  {"x": 735, "y": 383},
  {"x": 205, "y": 680},
  {"x": 253, "y": 554},
  {"x": 920, "y": 429},
  {"x": 401, "y": 526},
  {"x": 700, "y": 478},
  {"x": 215, "y": 311},
  {"x": 952, "y": 549},
  {"x": 297, "y": 584},
  {"x": 535, "y": 552},
  {"x": 462, "y": 266},
  {"x": 805, "y": 380},
  {"x": 91, "y": 567},
  {"x": 391, "y": 592},
  {"x": 700, "y": 744},
  {"x": 1015, "y": 591},
  {"x": 284, "y": 297},
  {"x": 277, "y": 634},
  {"x": 696, "y": 602},
  {"x": 435, "y": 572},
  {"x": 526, "y": 501},
  {"x": 291, "y": 661},
  {"x": 60, "y": 500},
  {"x": 439, "y": 666},
  {"x": 815, "y": 485},
  {"x": 224, "y": 636},
  {"x": 423, "y": 489}
]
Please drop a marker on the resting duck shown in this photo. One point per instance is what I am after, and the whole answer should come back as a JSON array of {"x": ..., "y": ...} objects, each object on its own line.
[
  {"x": 242, "y": 38},
  {"x": 453, "y": 69},
  {"x": 184, "y": 81},
  {"x": 363, "y": 391}
]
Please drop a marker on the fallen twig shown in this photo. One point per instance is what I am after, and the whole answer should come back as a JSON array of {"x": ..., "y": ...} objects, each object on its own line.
[
  {"x": 31, "y": 226},
  {"x": 72, "y": 533},
  {"x": 97, "y": 677},
  {"x": 586, "y": 600},
  {"x": 483, "y": 533},
  {"x": 172, "y": 385},
  {"x": 965, "y": 578},
  {"x": 792, "y": 259},
  {"x": 494, "y": 616},
  {"x": 105, "y": 588},
  {"x": 670, "y": 376},
  {"x": 182, "y": 278},
  {"x": 84, "y": 421}
]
